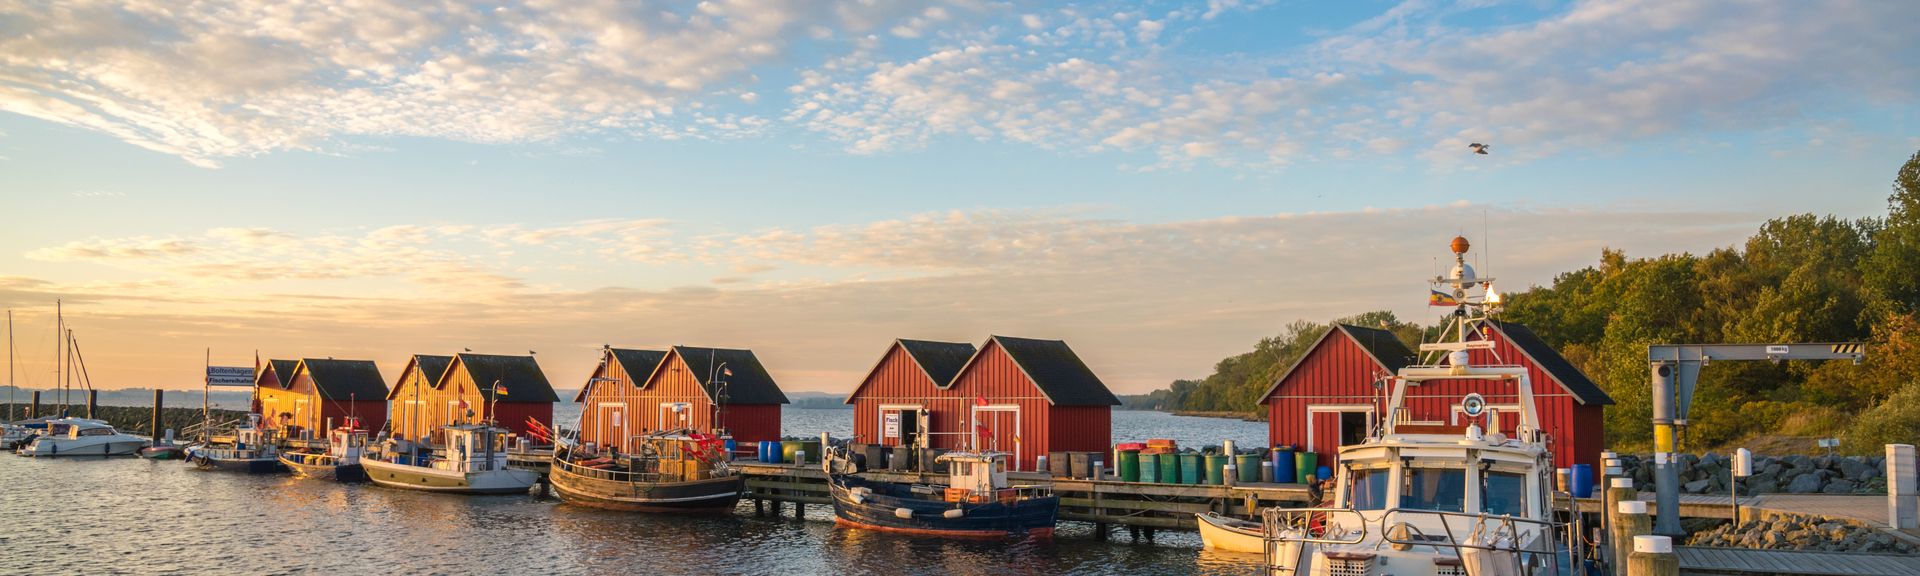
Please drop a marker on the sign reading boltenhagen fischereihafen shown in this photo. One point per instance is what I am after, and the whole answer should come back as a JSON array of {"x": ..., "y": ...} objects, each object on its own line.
[{"x": 229, "y": 376}]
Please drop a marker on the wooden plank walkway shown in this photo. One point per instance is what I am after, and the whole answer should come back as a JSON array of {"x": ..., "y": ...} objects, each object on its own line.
[{"x": 1699, "y": 559}]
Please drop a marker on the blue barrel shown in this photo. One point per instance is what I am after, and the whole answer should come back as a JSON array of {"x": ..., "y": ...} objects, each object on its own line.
[
  {"x": 1190, "y": 464},
  {"x": 1283, "y": 471},
  {"x": 771, "y": 454},
  {"x": 1149, "y": 468},
  {"x": 1582, "y": 480},
  {"x": 1323, "y": 472}
]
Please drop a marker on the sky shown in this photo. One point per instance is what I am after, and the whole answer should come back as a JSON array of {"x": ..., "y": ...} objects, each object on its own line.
[{"x": 1159, "y": 183}]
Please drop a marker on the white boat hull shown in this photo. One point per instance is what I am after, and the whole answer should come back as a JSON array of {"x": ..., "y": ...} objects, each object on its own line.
[
  {"x": 120, "y": 445},
  {"x": 503, "y": 481}
]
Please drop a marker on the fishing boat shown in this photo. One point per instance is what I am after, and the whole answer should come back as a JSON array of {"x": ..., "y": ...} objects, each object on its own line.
[
  {"x": 1229, "y": 534},
  {"x": 252, "y": 452},
  {"x": 1425, "y": 494},
  {"x": 474, "y": 463},
  {"x": 82, "y": 437},
  {"x": 977, "y": 502},
  {"x": 340, "y": 461},
  {"x": 673, "y": 471}
]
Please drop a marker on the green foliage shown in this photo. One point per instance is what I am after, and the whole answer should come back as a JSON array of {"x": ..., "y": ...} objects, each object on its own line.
[
  {"x": 1896, "y": 421},
  {"x": 1801, "y": 278}
]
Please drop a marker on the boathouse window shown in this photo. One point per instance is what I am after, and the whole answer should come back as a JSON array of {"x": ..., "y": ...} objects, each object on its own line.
[
  {"x": 1504, "y": 493},
  {"x": 1443, "y": 489},
  {"x": 1369, "y": 489}
]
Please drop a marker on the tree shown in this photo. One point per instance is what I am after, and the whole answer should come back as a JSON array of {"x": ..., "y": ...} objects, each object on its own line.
[{"x": 1892, "y": 270}]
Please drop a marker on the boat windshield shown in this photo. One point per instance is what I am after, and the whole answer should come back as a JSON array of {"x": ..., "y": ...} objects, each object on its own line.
[
  {"x": 1442, "y": 489},
  {"x": 1504, "y": 493},
  {"x": 1369, "y": 489}
]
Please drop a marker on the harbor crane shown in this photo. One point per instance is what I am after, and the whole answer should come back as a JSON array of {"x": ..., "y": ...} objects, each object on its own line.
[{"x": 1676, "y": 368}]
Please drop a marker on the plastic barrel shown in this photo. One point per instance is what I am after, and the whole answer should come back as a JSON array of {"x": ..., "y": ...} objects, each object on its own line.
[
  {"x": 1129, "y": 466},
  {"x": 1581, "y": 478},
  {"x": 812, "y": 447},
  {"x": 1303, "y": 464},
  {"x": 1249, "y": 465},
  {"x": 787, "y": 448},
  {"x": 1149, "y": 467},
  {"x": 902, "y": 460},
  {"x": 1190, "y": 464},
  {"x": 1169, "y": 468},
  {"x": 1283, "y": 468},
  {"x": 1217, "y": 468}
]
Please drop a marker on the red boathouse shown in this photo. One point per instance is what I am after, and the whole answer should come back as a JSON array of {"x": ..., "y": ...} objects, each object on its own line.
[
  {"x": 507, "y": 389},
  {"x": 1022, "y": 396},
  {"x": 1329, "y": 397},
  {"x": 316, "y": 393},
  {"x": 635, "y": 392}
]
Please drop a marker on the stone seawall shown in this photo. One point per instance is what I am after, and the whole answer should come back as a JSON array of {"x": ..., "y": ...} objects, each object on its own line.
[{"x": 1712, "y": 473}]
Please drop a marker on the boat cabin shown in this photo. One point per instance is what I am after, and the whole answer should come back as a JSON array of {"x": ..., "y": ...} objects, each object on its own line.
[
  {"x": 347, "y": 443},
  {"x": 78, "y": 427},
  {"x": 473, "y": 448},
  {"x": 979, "y": 472}
]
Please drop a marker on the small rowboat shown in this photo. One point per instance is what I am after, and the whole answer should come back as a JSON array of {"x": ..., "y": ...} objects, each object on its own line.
[
  {"x": 1230, "y": 534},
  {"x": 977, "y": 502},
  {"x": 340, "y": 462},
  {"x": 162, "y": 452}
]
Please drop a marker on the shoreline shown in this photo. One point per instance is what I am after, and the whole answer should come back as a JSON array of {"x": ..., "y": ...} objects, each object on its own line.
[{"x": 1242, "y": 416}]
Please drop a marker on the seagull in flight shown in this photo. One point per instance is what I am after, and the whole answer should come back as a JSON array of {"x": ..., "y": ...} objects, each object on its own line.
[{"x": 1478, "y": 148}]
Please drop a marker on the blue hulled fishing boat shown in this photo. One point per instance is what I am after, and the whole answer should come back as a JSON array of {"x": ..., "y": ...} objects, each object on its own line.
[{"x": 977, "y": 502}]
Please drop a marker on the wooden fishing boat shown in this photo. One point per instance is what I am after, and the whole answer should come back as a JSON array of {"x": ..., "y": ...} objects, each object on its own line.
[
  {"x": 341, "y": 460},
  {"x": 977, "y": 502},
  {"x": 673, "y": 472},
  {"x": 474, "y": 464},
  {"x": 252, "y": 452},
  {"x": 1230, "y": 534}
]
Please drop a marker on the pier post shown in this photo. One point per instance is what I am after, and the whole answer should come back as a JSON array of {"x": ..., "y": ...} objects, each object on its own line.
[
  {"x": 34, "y": 410},
  {"x": 1630, "y": 523},
  {"x": 1903, "y": 511},
  {"x": 159, "y": 404},
  {"x": 759, "y": 508},
  {"x": 1228, "y": 475},
  {"x": 1653, "y": 556},
  {"x": 93, "y": 399},
  {"x": 799, "y": 510}
]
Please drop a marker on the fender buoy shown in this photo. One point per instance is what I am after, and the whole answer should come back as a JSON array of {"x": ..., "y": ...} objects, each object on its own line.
[{"x": 903, "y": 513}]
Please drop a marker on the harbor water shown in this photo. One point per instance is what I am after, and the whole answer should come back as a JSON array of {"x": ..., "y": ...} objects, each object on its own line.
[{"x": 134, "y": 516}]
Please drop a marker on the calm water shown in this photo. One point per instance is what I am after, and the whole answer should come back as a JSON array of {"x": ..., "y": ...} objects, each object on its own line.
[{"x": 136, "y": 516}]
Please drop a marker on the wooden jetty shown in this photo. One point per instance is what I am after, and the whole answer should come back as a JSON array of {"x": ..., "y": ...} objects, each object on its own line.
[
  {"x": 1103, "y": 503},
  {"x": 1714, "y": 560}
]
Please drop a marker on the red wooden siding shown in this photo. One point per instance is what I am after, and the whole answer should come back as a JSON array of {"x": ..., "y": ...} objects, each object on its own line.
[
  {"x": 458, "y": 386},
  {"x": 640, "y": 407},
  {"x": 992, "y": 377},
  {"x": 1339, "y": 372}
]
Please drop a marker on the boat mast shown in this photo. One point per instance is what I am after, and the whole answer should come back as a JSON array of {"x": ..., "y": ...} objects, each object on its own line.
[
  {"x": 10, "y": 386},
  {"x": 66, "y": 386},
  {"x": 59, "y": 327},
  {"x": 206, "y": 399}
]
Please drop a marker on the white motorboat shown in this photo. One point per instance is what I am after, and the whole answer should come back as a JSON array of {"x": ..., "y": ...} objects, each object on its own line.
[
  {"x": 474, "y": 463},
  {"x": 1228, "y": 534},
  {"x": 1424, "y": 495},
  {"x": 82, "y": 437}
]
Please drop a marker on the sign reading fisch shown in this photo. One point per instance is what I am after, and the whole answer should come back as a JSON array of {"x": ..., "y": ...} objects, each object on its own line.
[
  {"x": 229, "y": 376},
  {"x": 893, "y": 425}
]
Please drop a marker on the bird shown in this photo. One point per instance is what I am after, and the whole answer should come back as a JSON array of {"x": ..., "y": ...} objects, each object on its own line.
[
  {"x": 467, "y": 349},
  {"x": 1478, "y": 148},
  {"x": 529, "y": 352}
]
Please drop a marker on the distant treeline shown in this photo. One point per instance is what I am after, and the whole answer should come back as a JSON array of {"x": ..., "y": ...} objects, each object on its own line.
[{"x": 1801, "y": 278}]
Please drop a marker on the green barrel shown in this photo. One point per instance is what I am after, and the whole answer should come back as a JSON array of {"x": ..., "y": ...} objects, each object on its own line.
[
  {"x": 1249, "y": 465},
  {"x": 1216, "y": 469},
  {"x": 1149, "y": 467},
  {"x": 787, "y": 448},
  {"x": 812, "y": 447},
  {"x": 1129, "y": 466},
  {"x": 1190, "y": 468},
  {"x": 1169, "y": 468},
  {"x": 1303, "y": 463}
]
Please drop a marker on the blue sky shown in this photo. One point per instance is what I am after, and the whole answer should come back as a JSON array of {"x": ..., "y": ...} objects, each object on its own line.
[{"x": 1159, "y": 183}]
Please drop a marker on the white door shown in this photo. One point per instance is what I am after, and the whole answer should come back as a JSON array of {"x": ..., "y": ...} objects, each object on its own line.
[{"x": 997, "y": 428}]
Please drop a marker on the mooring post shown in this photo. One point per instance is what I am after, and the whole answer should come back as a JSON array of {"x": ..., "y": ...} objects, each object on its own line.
[
  {"x": 1631, "y": 522},
  {"x": 159, "y": 404},
  {"x": 759, "y": 507},
  {"x": 34, "y": 410},
  {"x": 93, "y": 399},
  {"x": 1903, "y": 511},
  {"x": 1653, "y": 556}
]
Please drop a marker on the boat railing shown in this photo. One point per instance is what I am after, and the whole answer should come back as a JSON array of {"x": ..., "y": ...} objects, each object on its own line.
[
  {"x": 566, "y": 464},
  {"x": 1314, "y": 525},
  {"x": 1488, "y": 533}
]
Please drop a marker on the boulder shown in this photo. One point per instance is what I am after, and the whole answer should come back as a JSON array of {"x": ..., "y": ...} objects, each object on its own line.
[
  {"x": 1804, "y": 484},
  {"x": 1853, "y": 468},
  {"x": 1800, "y": 462},
  {"x": 1767, "y": 486},
  {"x": 1697, "y": 486}
]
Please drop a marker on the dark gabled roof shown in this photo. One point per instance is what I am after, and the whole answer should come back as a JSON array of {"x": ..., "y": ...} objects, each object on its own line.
[
  {"x": 282, "y": 372},
  {"x": 431, "y": 368},
  {"x": 940, "y": 360},
  {"x": 749, "y": 384},
  {"x": 1052, "y": 365},
  {"x": 344, "y": 380},
  {"x": 1386, "y": 350},
  {"x": 521, "y": 375},
  {"x": 1555, "y": 365},
  {"x": 639, "y": 365}
]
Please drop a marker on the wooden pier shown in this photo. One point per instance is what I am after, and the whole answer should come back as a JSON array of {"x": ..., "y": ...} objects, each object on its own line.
[
  {"x": 1705, "y": 560},
  {"x": 1103, "y": 503}
]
